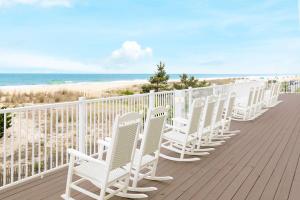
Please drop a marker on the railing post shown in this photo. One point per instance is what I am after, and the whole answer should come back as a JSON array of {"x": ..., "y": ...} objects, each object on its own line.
[
  {"x": 179, "y": 103},
  {"x": 81, "y": 124},
  {"x": 151, "y": 99}
]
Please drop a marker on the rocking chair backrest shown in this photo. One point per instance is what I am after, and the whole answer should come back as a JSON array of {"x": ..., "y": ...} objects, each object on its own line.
[
  {"x": 250, "y": 98},
  {"x": 263, "y": 93},
  {"x": 260, "y": 94},
  {"x": 221, "y": 107},
  {"x": 124, "y": 139},
  {"x": 278, "y": 89},
  {"x": 196, "y": 112},
  {"x": 255, "y": 96},
  {"x": 209, "y": 111},
  {"x": 153, "y": 130},
  {"x": 271, "y": 90},
  {"x": 230, "y": 105},
  {"x": 275, "y": 88}
]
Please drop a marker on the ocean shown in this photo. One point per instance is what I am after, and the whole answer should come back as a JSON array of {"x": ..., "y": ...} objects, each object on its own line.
[{"x": 48, "y": 79}]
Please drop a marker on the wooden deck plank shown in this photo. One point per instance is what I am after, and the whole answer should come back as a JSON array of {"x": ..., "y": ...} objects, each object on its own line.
[
  {"x": 250, "y": 181},
  {"x": 266, "y": 184},
  {"x": 294, "y": 192},
  {"x": 262, "y": 162},
  {"x": 273, "y": 175},
  {"x": 185, "y": 180},
  {"x": 237, "y": 176},
  {"x": 284, "y": 148},
  {"x": 237, "y": 164},
  {"x": 284, "y": 187},
  {"x": 229, "y": 192}
]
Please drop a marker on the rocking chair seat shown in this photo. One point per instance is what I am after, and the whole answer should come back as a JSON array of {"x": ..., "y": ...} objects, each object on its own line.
[
  {"x": 145, "y": 160},
  {"x": 96, "y": 172},
  {"x": 178, "y": 137}
]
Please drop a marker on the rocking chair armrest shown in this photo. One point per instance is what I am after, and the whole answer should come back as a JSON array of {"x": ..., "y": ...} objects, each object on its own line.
[
  {"x": 108, "y": 139},
  {"x": 175, "y": 128},
  {"x": 83, "y": 156},
  {"x": 180, "y": 120},
  {"x": 105, "y": 142}
]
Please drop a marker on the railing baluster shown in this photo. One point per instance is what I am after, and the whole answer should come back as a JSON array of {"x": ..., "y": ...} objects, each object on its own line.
[
  {"x": 4, "y": 148},
  {"x": 26, "y": 150},
  {"x": 91, "y": 129},
  {"x": 62, "y": 136},
  {"x": 72, "y": 127},
  {"x": 12, "y": 156},
  {"x": 39, "y": 141},
  {"x": 32, "y": 144},
  {"x": 56, "y": 138},
  {"x": 19, "y": 146},
  {"x": 51, "y": 138},
  {"x": 67, "y": 133},
  {"x": 45, "y": 140}
]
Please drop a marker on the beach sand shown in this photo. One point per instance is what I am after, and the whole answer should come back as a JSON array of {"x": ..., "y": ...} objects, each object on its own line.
[{"x": 93, "y": 89}]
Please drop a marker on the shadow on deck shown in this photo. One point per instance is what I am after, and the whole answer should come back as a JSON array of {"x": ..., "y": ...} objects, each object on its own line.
[{"x": 259, "y": 163}]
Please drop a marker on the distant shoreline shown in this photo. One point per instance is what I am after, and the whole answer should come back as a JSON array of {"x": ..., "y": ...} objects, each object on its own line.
[
  {"x": 60, "y": 79},
  {"x": 98, "y": 88}
]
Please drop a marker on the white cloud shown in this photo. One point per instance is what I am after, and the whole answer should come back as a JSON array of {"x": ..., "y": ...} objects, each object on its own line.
[
  {"x": 12, "y": 61},
  {"x": 131, "y": 51},
  {"x": 18, "y": 61},
  {"x": 42, "y": 3}
]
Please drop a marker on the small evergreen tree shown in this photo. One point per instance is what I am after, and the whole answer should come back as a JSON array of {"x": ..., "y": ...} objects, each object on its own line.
[
  {"x": 8, "y": 122},
  {"x": 159, "y": 81}
]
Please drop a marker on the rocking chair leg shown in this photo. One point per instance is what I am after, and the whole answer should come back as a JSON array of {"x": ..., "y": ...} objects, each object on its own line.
[
  {"x": 142, "y": 189},
  {"x": 66, "y": 196},
  {"x": 159, "y": 178},
  {"x": 179, "y": 159},
  {"x": 102, "y": 194}
]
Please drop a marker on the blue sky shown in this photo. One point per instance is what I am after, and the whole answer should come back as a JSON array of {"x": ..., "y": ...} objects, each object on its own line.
[{"x": 131, "y": 36}]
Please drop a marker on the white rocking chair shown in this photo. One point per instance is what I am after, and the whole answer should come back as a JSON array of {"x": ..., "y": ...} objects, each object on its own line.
[
  {"x": 112, "y": 175},
  {"x": 243, "y": 112},
  {"x": 227, "y": 117},
  {"x": 258, "y": 109},
  {"x": 254, "y": 103},
  {"x": 207, "y": 125},
  {"x": 218, "y": 123},
  {"x": 146, "y": 157},
  {"x": 183, "y": 139},
  {"x": 273, "y": 101}
]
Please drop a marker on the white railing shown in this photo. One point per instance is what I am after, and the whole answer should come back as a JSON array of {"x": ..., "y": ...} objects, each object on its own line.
[
  {"x": 291, "y": 86},
  {"x": 39, "y": 136}
]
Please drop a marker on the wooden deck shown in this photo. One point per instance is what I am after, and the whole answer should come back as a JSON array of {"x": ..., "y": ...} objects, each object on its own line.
[{"x": 260, "y": 163}]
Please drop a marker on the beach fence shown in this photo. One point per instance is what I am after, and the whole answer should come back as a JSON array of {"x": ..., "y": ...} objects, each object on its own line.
[{"x": 35, "y": 139}]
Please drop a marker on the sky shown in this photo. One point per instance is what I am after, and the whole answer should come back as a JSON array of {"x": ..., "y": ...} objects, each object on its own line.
[{"x": 132, "y": 36}]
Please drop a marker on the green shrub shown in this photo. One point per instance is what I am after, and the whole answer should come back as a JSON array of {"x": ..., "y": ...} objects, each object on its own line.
[
  {"x": 186, "y": 82},
  {"x": 8, "y": 122},
  {"x": 126, "y": 92}
]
